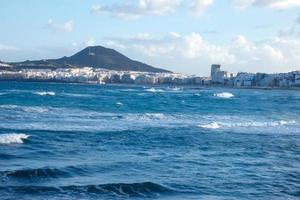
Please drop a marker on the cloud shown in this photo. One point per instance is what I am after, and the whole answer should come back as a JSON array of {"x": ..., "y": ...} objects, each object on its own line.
[
  {"x": 196, "y": 53},
  {"x": 90, "y": 42},
  {"x": 274, "y": 4},
  {"x": 4, "y": 47},
  {"x": 130, "y": 11},
  {"x": 298, "y": 19},
  {"x": 291, "y": 32},
  {"x": 67, "y": 26},
  {"x": 199, "y": 6}
]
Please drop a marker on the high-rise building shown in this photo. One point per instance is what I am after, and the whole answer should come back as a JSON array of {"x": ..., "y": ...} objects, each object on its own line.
[{"x": 214, "y": 70}]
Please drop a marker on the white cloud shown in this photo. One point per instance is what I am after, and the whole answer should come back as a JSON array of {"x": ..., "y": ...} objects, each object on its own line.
[
  {"x": 4, "y": 47},
  {"x": 196, "y": 54},
  {"x": 159, "y": 7},
  {"x": 90, "y": 42},
  {"x": 67, "y": 26},
  {"x": 199, "y": 6},
  {"x": 136, "y": 10},
  {"x": 274, "y": 4},
  {"x": 298, "y": 19}
]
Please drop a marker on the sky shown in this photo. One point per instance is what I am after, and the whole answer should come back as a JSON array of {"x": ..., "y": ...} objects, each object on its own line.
[{"x": 185, "y": 36}]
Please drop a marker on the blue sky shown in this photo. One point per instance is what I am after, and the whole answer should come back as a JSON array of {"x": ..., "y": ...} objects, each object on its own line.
[{"x": 181, "y": 35}]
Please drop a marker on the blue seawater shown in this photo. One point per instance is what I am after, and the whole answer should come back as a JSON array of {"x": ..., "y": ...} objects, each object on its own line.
[{"x": 77, "y": 141}]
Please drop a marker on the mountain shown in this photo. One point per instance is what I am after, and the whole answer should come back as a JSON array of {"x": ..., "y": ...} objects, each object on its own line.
[{"x": 92, "y": 56}]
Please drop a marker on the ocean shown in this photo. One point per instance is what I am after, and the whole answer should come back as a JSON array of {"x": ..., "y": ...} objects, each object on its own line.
[{"x": 78, "y": 141}]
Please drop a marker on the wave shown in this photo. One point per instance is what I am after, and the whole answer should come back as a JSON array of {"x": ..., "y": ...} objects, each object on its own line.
[
  {"x": 77, "y": 95},
  {"x": 154, "y": 90},
  {"x": 225, "y": 95},
  {"x": 148, "y": 117},
  {"x": 13, "y": 138},
  {"x": 174, "y": 88},
  {"x": 34, "y": 173},
  {"x": 45, "y": 93},
  {"x": 25, "y": 108},
  {"x": 119, "y": 104},
  {"x": 143, "y": 189},
  {"x": 213, "y": 125},
  {"x": 217, "y": 125}
]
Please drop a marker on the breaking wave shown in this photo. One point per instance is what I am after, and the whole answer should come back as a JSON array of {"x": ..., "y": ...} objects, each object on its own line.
[
  {"x": 25, "y": 108},
  {"x": 143, "y": 189},
  {"x": 77, "y": 95},
  {"x": 119, "y": 104},
  {"x": 13, "y": 138},
  {"x": 154, "y": 90},
  {"x": 216, "y": 125},
  {"x": 213, "y": 125},
  {"x": 45, "y": 93},
  {"x": 225, "y": 95}
]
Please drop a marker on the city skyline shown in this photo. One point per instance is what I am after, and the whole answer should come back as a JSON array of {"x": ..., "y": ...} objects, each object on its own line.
[{"x": 179, "y": 35}]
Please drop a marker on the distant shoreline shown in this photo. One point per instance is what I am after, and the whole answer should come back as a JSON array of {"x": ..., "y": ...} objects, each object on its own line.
[{"x": 153, "y": 85}]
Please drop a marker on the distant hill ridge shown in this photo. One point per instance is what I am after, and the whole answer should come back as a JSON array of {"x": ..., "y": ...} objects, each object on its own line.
[{"x": 93, "y": 56}]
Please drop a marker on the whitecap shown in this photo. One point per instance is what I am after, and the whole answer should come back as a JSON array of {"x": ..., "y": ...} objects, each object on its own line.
[
  {"x": 249, "y": 124},
  {"x": 77, "y": 95},
  {"x": 225, "y": 95},
  {"x": 175, "y": 88},
  {"x": 45, "y": 93},
  {"x": 155, "y": 115},
  {"x": 119, "y": 103},
  {"x": 24, "y": 108},
  {"x": 213, "y": 125},
  {"x": 9, "y": 106},
  {"x": 260, "y": 124},
  {"x": 13, "y": 138},
  {"x": 154, "y": 90}
]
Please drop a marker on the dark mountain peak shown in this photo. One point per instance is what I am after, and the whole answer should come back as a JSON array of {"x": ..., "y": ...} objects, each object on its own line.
[
  {"x": 102, "y": 57},
  {"x": 98, "y": 51},
  {"x": 94, "y": 56}
]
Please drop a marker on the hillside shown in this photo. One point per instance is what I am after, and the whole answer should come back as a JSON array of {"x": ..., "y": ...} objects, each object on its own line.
[{"x": 93, "y": 56}]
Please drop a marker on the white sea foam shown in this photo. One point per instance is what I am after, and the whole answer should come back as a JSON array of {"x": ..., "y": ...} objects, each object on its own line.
[
  {"x": 250, "y": 124},
  {"x": 154, "y": 90},
  {"x": 225, "y": 95},
  {"x": 13, "y": 138},
  {"x": 45, "y": 93},
  {"x": 9, "y": 106},
  {"x": 35, "y": 109},
  {"x": 176, "y": 88},
  {"x": 155, "y": 115},
  {"x": 213, "y": 125},
  {"x": 24, "y": 108},
  {"x": 260, "y": 124},
  {"x": 119, "y": 103},
  {"x": 148, "y": 117},
  {"x": 77, "y": 95}
]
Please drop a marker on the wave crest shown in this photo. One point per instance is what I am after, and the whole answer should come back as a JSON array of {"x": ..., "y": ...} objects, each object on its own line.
[
  {"x": 213, "y": 125},
  {"x": 34, "y": 173},
  {"x": 225, "y": 95},
  {"x": 45, "y": 93},
  {"x": 143, "y": 189},
  {"x": 255, "y": 124},
  {"x": 154, "y": 90},
  {"x": 13, "y": 138},
  {"x": 32, "y": 109}
]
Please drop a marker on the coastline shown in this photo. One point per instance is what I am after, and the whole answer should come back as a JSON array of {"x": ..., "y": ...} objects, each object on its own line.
[{"x": 199, "y": 87}]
